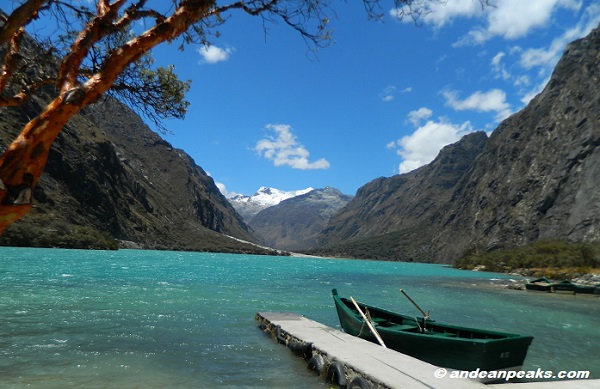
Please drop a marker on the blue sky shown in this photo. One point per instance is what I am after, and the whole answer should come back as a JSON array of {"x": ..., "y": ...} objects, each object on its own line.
[{"x": 382, "y": 99}]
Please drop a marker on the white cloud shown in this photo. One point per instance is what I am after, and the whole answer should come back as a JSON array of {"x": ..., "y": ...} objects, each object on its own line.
[
  {"x": 548, "y": 56},
  {"x": 283, "y": 148},
  {"x": 534, "y": 92},
  {"x": 498, "y": 66},
  {"x": 522, "y": 80},
  {"x": 544, "y": 59},
  {"x": 388, "y": 93},
  {"x": 438, "y": 13},
  {"x": 423, "y": 145},
  {"x": 492, "y": 101},
  {"x": 513, "y": 19},
  {"x": 415, "y": 117},
  {"x": 224, "y": 191},
  {"x": 222, "y": 187},
  {"x": 508, "y": 19},
  {"x": 213, "y": 54},
  {"x": 539, "y": 57},
  {"x": 498, "y": 58}
]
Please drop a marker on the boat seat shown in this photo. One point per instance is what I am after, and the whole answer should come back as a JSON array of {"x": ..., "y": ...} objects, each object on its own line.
[
  {"x": 403, "y": 327},
  {"x": 378, "y": 320},
  {"x": 448, "y": 334}
]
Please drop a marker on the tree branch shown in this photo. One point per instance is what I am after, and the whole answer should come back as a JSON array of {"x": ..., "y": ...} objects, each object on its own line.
[
  {"x": 10, "y": 58},
  {"x": 22, "y": 96},
  {"x": 242, "y": 5},
  {"x": 95, "y": 30},
  {"x": 185, "y": 15},
  {"x": 136, "y": 12},
  {"x": 20, "y": 17}
]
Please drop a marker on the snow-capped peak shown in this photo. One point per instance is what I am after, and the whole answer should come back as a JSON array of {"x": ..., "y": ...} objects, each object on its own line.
[
  {"x": 271, "y": 196},
  {"x": 265, "y": 197}
]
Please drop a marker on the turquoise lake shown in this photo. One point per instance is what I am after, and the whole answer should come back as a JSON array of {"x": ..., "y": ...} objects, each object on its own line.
[{"x": 156, "y": 319}]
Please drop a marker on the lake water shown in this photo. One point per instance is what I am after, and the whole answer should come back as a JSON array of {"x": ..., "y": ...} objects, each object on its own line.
[{"x": 155, "y": 319}]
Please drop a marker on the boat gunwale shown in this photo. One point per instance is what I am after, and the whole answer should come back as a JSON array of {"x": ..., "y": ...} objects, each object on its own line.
[{"x": 500, "y": 336}]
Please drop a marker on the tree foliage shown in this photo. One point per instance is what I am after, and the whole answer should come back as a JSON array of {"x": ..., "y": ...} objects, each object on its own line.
[{"x": 88, "y": 51}]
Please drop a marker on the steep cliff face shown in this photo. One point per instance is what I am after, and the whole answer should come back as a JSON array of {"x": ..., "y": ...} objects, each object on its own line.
[
  {"x": 538, "y": 176},
  {"x": 109, "y": 172},
  {"x": 387, "y": 204},
  {"x": 405, "y": 204},
  {"x": 294, "y": 224}
]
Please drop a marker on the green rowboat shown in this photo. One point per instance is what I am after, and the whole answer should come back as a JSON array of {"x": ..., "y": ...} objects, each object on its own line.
[
  {"x": 444, "y": 345},
  {"x": 568, "y": 286},
  {"x": 541, "y": 284}
]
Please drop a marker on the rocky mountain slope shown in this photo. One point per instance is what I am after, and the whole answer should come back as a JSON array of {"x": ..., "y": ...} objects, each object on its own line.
[
  {"x": 109, "y": 177},
  {"x": 294, "y": 224},
  {"x": 538, "y": 176},
  {"x": 265, "y": 197},
  {"x": 404, "y": 206}
]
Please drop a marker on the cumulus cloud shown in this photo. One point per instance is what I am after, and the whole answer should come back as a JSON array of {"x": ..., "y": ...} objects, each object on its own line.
[
  {"x": 214, "y": 54},
  {"x": 222, "y": 188},
  {"x": 492, "y": 101},
  {"x": 508, "y": 19},
  {"x": 439, "y": 14},
  {"x": 425, "y": 143},
  {"x": 224, "y": 191},
  {"x": 282, "y": 147},
  {"x": 543, "y": 59},
  {"x": 415, "y": 117},
  {"x": 513, "y": 19},
  {"x": 548, "y": 56}
]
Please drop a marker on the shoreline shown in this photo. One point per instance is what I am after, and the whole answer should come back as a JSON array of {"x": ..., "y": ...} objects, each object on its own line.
[{"x": 519, "y": 284}]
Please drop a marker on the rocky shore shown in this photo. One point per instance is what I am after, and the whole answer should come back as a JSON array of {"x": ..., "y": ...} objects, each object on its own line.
[
  {"x": 523, "y": 276},
  {"x": 584, "y": 279}
]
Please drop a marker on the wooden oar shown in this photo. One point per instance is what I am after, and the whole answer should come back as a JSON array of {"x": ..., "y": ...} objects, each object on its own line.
[
  {"x": 373, "y": 330},
  {"x": 425, "y": 315}
]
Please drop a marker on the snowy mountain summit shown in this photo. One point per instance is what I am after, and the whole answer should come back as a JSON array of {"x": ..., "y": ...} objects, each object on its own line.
[{"x": 265, "y": 197}]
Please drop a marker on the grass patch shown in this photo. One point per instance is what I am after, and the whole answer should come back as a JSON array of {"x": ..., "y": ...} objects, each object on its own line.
[
  {"x": 58, "y": 235},
  {"x": 549, "y": 258}
]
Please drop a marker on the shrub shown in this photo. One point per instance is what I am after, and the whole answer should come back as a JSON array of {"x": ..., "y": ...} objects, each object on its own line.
[{"x": 564, "y": 257}]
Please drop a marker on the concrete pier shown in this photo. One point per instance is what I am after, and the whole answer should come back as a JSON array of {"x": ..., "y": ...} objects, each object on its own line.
[{"x": 382, "y": 368}]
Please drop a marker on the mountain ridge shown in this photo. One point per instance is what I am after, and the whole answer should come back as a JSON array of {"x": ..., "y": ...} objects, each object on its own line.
[
  {"x": 400, "y": 203},
  {"x": 294, "y": 223},
  {"x": 536, "y": 177},
  {"x": 265, "y": 197},
  {"x": 110, "y": 178}
]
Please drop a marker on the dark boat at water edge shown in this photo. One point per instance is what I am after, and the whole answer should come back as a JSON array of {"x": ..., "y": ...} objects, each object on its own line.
[
  {"x": 542, "y": 284},
  {"x": 440, "y": 344},
  {"x": 545, "y": 285},
  {"x": 568, "y": 286}
]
